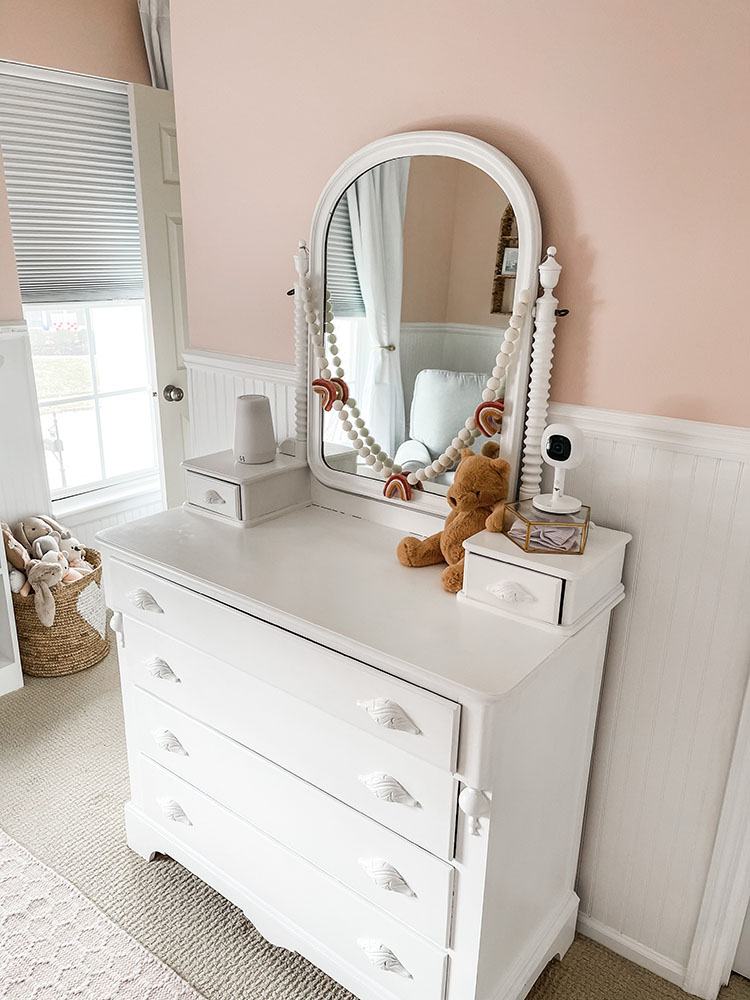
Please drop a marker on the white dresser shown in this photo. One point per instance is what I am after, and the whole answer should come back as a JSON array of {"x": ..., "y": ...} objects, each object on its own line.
[{"x": 385, "y": 779}]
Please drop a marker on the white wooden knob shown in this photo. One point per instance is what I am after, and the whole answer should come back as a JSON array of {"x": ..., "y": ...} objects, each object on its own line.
[
  {"x": 475, "y": 805},
  {"x": 383, "y": 958},
  {"x": 386, "y": 788},
  {"x": 211, "y": 496}
]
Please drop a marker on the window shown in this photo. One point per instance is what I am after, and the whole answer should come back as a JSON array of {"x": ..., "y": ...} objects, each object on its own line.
[
  {"x": 91, "y": 366},
  {"x": 70, "y": 179}
]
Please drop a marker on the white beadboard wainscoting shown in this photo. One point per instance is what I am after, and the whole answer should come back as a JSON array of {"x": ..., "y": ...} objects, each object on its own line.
[
  {"x": 215, "y": 381},
  {"x": 675, "y": 678},
  {"x": 85, "y": 516},
  {"x": 678, "y": 659},
  {"x": 23, "y": 473}
]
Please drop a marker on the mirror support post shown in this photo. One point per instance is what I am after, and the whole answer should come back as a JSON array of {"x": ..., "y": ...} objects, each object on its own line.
[
  {"x": 302, "y": 265},
  {"x": 541, "y": 370}
]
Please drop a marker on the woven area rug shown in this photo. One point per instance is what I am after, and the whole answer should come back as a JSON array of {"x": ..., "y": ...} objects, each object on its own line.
[{"x": 56, "y": 945}]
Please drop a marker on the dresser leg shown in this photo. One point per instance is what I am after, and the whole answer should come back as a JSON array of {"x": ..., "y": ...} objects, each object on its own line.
[{"x": 140, "y": 835}]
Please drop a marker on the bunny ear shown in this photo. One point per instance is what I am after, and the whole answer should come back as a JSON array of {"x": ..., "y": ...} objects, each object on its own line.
[
  {"x": 20, "y": 534},
  {"x": 55, "y": 525}
]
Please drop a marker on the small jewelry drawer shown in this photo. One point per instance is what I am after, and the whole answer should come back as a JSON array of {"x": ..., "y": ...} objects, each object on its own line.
[
  {"x": 214, "y": 495},
  {"x": 391, "y": 872},
  {"x": 373, "y": 950},
  {"x": 514, "y": 589}
]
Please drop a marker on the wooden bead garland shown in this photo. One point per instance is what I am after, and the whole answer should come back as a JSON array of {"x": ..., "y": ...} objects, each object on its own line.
[{"x": 334, "y": 393}]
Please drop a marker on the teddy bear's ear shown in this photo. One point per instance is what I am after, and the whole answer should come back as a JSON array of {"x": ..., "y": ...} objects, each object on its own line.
[
  {"x": 490, "y": 449},
  {"x": 466, "y": 453},
  {"x": 503, "y": 467}
]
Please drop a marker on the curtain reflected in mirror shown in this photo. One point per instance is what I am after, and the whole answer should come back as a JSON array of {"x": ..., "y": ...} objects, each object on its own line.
[{"x": 420, "y": 258}]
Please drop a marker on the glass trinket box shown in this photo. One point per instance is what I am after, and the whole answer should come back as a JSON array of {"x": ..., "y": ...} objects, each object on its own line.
[{"x": 538, "y": 531}]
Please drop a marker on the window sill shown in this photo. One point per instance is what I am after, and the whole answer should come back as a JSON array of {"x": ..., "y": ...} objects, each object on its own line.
[{"x": 122, "y": 493}]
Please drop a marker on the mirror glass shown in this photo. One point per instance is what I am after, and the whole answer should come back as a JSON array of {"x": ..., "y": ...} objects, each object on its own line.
[{"x": 420, "y": 261}]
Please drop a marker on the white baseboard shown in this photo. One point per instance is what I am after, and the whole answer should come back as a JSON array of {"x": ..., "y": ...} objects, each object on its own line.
[
  {"x": 636, "y": 952},
  {"x": 11, "y": 678}
]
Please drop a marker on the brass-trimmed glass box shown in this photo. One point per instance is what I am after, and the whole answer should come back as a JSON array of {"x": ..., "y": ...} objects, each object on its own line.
[{"x": 537, "y": 531}]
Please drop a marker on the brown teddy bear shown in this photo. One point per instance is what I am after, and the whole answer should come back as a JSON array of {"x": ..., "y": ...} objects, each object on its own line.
[{"x": 477, "y": 498}]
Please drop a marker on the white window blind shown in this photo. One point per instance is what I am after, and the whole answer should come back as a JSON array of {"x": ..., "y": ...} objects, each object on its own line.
[
  {"x": 342, "y": 280},
  {"x": 71, "y": 187}
]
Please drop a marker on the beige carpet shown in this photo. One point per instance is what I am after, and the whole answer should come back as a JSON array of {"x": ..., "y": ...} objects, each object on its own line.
[{"x": 64, "y": 782}]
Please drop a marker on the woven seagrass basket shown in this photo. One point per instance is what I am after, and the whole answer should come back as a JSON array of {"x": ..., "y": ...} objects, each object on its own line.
[{"x": 78, "y": 636}]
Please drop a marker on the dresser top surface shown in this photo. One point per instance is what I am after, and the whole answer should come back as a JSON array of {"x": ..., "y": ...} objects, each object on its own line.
[{"x": 335, "y": 579}]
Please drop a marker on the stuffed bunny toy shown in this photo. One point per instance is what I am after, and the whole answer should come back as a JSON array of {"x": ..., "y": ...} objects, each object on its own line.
[
  {"x": 69, "y": 575},
  {"x": 31, "y": 528},
  {"x": 43, "y": 576},
  {"x": 46, "y": 543}
]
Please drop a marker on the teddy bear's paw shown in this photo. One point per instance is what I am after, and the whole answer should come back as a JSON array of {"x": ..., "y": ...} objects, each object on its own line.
[
  {"x": 408, "y": 551},
  {"x": 453, "y": 578}
]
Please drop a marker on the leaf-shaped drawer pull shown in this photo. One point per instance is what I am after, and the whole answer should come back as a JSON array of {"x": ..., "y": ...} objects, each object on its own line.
[
  {"x": 386, "y": 876},
  {"x": 511, "y": 593},
  {"x": 174, "y": 812},
  {"x": 385, "y": 787},
  {"x": 165, "y": 739},
  {"x": 160, "y": 669},
  {"x": 390, "y": 715},
  {"x": 141, "y": 599},
  {"x": 211, "y": 496},
  {"x": 383, "y": 958}
]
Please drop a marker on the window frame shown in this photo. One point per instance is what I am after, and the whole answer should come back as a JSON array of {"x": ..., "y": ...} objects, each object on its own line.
[{"x": 67, "y": 492}]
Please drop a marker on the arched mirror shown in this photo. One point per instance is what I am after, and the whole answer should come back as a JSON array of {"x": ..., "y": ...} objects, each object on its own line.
[{"x": 423, "y": 263}]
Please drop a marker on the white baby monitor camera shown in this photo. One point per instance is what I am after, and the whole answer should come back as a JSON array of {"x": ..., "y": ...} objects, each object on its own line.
[{"x": 562, "y": 448}]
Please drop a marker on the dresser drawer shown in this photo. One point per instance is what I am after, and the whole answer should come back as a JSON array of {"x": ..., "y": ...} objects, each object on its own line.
[
  {"x": 401, "y": 714},
  {"x": 512, "y": 588},
  {"x": 399, "y": 790},
  {"x": 386, "y": 869},
  {"x": 214, "y": 495},
  {"x": 342, "y": 922}
]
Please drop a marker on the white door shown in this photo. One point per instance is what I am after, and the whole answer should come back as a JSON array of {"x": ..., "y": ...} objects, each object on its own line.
[{"x": 152, "y": 123}]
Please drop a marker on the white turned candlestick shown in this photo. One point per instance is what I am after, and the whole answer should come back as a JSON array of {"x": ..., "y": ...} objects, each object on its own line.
[
  {"x": 541, "y": 370},
  {"x": 301, "y": 264}
]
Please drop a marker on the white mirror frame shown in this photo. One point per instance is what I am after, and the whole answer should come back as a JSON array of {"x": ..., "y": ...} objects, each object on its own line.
[{"x": 516, "y": 187}]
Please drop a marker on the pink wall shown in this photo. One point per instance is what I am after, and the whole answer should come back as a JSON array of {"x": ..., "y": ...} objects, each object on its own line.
[
  {"x": 451, "y": 227},
  {"x": 100, "y": 37},
  {"x": 627, "y": 116}
]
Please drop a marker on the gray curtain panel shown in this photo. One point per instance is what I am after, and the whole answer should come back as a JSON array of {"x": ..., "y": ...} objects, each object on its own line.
[{"x": 156, "y": 35}]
